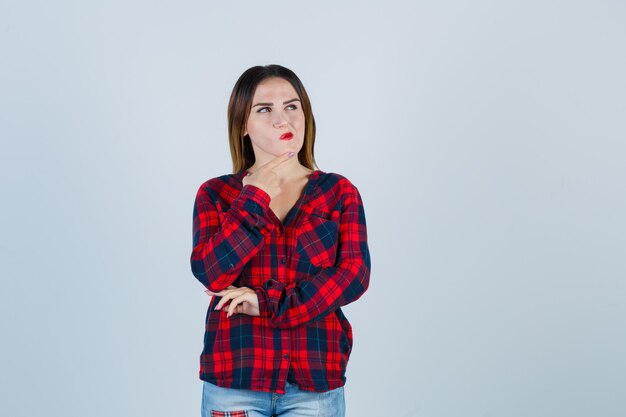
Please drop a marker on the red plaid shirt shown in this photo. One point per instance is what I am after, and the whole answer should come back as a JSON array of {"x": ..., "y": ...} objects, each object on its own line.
[{"x": 303, "y": 273}]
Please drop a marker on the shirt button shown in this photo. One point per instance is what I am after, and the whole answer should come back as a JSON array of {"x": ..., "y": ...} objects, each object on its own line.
[
  {"x": 283, "y": 260},
  {"x": 286, "y": 356}
]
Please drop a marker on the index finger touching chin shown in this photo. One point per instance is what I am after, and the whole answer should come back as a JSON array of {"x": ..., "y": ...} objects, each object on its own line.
[{"x": 280, "y": 159}]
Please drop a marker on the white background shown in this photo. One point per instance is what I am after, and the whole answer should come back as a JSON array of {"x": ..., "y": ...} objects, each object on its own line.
[{"x": 487, "y": 139}]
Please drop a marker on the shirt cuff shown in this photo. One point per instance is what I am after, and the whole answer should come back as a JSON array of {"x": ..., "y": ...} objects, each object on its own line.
[
  {"x": 255, "y": 194},
  {"x": 263, "y": 307},
  {"x": 256, "y": 202}
]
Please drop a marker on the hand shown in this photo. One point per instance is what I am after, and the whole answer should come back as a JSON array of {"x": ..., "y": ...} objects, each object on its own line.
[
  {"x": 265, "y": 178},
  {"x": 244, "y": 300}
]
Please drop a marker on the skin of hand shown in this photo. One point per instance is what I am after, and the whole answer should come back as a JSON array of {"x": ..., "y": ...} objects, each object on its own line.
[
  {"x": 265, "y": 177},
  {"x": 243, "y": 300}
]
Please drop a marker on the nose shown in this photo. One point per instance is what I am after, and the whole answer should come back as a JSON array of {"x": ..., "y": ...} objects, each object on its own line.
[{"x": 279, "y": 121}]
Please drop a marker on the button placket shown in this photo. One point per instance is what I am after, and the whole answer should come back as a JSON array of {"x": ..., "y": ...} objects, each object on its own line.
[{"x": 282, "y": 257}]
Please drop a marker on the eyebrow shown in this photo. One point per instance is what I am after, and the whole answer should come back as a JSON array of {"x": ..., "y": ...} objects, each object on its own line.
[{"x": 271, "y": 104}]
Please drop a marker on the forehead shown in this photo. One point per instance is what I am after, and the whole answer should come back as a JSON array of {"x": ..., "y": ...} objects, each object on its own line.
[{"x": 274, "y": 88}]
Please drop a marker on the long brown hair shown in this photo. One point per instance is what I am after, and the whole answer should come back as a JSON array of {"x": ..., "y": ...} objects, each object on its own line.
[{"x": 239, "y": 107}]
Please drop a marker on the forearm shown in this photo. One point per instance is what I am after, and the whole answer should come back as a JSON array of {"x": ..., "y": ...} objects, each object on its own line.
[
  {"x": 224, "y": 243},
  {"x": 311, "y": 299},
  {"x": 315, "y": 296}
]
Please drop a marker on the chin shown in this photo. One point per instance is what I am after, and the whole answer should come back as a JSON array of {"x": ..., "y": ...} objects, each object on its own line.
[{"x": 290, "y": 147}]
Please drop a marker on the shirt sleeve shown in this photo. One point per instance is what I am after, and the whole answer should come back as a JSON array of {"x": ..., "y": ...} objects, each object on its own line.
[
  {"x": 223, "y": 243},
  {"x": 314, "y": 297}
]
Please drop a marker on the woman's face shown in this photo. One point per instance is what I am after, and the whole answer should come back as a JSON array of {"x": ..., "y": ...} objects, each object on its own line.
[{"x": 276, "y": 110}]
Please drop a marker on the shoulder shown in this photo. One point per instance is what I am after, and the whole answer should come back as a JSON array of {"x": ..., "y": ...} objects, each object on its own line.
[
  {"x": 338, "y": 191},
  {"x": 219, "y": 181},
  {"x": 219, "y": 186},
  {"x": 338, "y": 182}
]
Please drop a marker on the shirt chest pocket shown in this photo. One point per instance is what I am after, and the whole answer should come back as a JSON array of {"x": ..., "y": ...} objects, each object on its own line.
[{"x": 316, "y": 242}]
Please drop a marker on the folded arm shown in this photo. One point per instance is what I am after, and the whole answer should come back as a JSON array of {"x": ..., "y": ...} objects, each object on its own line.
[
  {"x": 315, "y": 296},
  {"x": 220, "y": 251}
]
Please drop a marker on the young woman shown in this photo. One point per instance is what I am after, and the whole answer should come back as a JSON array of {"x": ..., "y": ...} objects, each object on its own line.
[{"x": 281, "y": 247}]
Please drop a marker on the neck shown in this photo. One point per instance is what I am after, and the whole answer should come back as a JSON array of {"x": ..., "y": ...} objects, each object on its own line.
[
  {"x": 285, "y": 171},
  {"x": 288, "y": 171}
]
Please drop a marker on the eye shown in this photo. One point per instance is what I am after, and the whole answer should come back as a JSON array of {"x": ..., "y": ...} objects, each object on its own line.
[{"x": 263, "y": 108}]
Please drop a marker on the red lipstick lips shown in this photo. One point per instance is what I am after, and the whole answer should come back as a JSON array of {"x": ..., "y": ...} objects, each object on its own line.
[{"x": 286, "y": 136}]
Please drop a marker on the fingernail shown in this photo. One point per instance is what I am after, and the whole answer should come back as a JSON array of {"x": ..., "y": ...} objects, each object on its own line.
[{"x": 291, "y": 154}]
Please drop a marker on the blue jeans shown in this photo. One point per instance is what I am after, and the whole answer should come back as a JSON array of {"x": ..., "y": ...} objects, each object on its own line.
[{"x": 229, "y": 402}]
